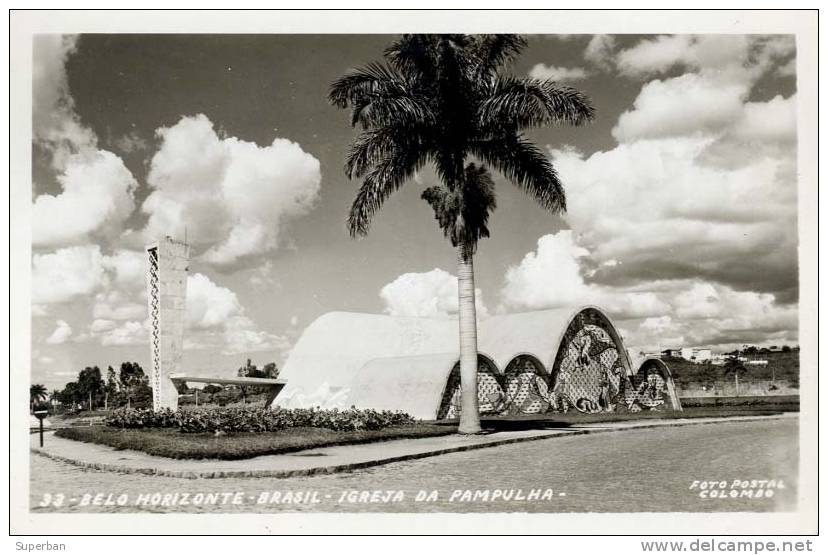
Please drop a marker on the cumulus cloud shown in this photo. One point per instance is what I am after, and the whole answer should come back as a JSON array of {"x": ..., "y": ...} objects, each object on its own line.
[
  {"x": 658, "y": 54},
  {"x": 97, "y": 197},
  {"x": 426, "y": 295},
  {"x": 113, "y": 284},
  {"x": 217, "y": 318},
  {"x": 600, "y": 51},
  {"x": 125, "y": 334},
  {"x": 773, "y": 121},
  {"x": 549, "y": 277},
  {"x": 209, "y": 305},
  {"x": 55, "y": 125},
  {"x": 128, "y": 268},
  {"x": 116, "y": 285},
  {"x": 117, "y": 305},
  {"x": 703, "y": 177},
  {"x": 100, "y": 325},
  {"x": 242, "y": 336},
  {"x": 552, "y": 277},
  {"x": 131, "y": 142},
  {"x": 655, "y": 314},
  {"x": 732, "y": 56},
  {"x": 689, "y": 104},
  {"x": 709, "y": 314},
  {"x": 711, "y": 95},
  {"x": 74, "y": 272},
  {"x": 62, "y": 333},
  {"x": 234, "y": 196},
  {"x": 555, "y": 73},
  {"x": 97, "y": 189},
  {"x": 66, "y": 274},
  {"x": 697, "y": 105},
  {"x": 665, "y": 214}
]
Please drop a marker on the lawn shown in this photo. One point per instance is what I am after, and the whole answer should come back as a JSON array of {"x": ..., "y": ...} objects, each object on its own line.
[{"x": 169, "y": 442}]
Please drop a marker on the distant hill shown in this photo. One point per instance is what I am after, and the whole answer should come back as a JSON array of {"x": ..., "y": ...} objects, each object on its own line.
[{"x": 783, "y": 366}]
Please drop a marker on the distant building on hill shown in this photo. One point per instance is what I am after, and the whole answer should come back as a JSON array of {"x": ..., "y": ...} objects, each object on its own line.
[
  {"x": 691, "y": 354},
  {"x": 718, "y": 359}
]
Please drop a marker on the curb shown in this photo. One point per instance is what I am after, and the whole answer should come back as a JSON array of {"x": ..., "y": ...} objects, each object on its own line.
[{"x": 335, "y": 469}]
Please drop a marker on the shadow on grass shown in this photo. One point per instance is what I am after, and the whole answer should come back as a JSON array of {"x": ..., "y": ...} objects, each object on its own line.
[
  {"x": 575, "y": 420},
  {"x": 510, "y": 425}
]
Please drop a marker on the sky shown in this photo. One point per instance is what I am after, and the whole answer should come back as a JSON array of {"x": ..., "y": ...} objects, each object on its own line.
[{"x": 682, "y": 196}]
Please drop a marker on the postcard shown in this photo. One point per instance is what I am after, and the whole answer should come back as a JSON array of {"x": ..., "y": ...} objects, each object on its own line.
[{"x": 539, "y": 272}]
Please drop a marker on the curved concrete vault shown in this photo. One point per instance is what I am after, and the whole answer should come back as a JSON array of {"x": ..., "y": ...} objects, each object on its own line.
[{"x": 529, "y": 363}]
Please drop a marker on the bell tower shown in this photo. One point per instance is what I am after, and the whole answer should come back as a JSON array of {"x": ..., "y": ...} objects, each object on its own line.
[{"x": 166, "y": 298}]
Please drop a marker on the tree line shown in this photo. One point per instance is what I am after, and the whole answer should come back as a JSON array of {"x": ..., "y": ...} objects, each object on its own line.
[{"x": 129, "y": 386}]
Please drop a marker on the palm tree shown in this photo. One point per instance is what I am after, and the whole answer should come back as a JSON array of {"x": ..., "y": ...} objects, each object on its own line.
[
  {"x": 37, "y": 393},
  {"x": 443, "y": 99}
]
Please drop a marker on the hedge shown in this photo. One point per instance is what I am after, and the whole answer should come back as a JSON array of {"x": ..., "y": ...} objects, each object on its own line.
[{"x": 242, "y": 419}]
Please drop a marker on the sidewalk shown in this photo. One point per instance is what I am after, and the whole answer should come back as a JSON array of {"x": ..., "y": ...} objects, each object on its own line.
[{"x": 328, "y": 460}]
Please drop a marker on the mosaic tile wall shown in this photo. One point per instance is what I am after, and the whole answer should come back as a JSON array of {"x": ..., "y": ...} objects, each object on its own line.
[{"x": 588, "y": 376}]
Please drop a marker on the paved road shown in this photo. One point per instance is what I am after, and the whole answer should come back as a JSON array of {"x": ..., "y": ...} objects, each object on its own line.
[{"x": 629, "y": 471}]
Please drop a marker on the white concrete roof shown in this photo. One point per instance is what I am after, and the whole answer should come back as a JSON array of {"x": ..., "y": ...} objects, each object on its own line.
[
  {"x": 325, "y": 367},
  {"x": 323, "y": 364},
  {"x": 417, "y": 381},
  {"x": 537, "y": 333}
]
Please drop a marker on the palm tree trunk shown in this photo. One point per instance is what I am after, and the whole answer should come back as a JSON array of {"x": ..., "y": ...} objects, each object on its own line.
[{"x": 469, "y": 415}]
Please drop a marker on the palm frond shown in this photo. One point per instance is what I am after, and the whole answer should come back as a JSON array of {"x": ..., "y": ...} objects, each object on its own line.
[
  {"x": 493, "y": 51},
  {"x": 447, "y": 164},
  {"x": 380, "y": 183},
  {"x": 524, "y": 103},
  {"x": 380, "y": 110},
  {"x": 375, "y": 145},
  {"x": 379, "y": 95},
  {"x": 413, "y": 55},
  {"x": 441, "y": 99},
  {"x": 525, "y": 165},
  {"x": 358, "y": 84}
]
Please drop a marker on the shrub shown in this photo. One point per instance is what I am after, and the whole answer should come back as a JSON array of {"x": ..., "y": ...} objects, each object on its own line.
[
  {"x": 142, "y": 418},
  {"x": 243, "y": 419}
]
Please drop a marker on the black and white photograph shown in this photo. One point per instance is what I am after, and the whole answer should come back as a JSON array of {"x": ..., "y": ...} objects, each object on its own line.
[{"x": 556, "y": 270}]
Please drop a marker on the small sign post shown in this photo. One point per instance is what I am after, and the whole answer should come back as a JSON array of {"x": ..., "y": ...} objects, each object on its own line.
[{"x": 41, "y": 414}]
